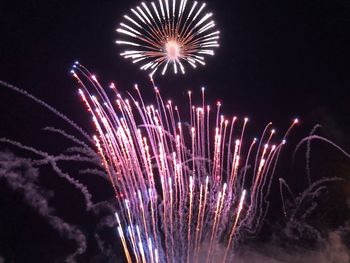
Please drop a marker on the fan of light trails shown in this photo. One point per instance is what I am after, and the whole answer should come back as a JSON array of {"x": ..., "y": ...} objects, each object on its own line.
[
  {"x": 168, "y": 33},
  {"x": 180, "y": 183}
]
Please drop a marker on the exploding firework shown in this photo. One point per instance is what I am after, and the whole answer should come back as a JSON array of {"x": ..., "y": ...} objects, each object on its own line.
[
  {"x": 168, "y": 34},
  {"x": 185, "y": 188}
]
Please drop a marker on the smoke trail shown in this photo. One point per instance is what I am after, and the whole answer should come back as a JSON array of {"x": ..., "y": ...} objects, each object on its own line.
[
  {"x": 80, "y": 152},
  {"x": 317, "y": 137},
  {"x": 49, "y": 107},
  {"x": 22, "y": 177},
  {"x": 308, "y": 152},
  {"x": 312, "y": 191},
  {"x": 85, "y": 149},
  {"x": 48, "y": 159}
]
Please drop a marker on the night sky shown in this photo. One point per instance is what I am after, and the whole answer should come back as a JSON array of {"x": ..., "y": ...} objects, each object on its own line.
[{"x": 277, "y": 60}]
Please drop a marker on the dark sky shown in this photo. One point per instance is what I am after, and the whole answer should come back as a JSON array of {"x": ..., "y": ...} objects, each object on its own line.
[{"x": 278, "y": 60}]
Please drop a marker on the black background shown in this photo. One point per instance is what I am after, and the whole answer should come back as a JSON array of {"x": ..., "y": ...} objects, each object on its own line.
[{"x": 277, "y": 60}]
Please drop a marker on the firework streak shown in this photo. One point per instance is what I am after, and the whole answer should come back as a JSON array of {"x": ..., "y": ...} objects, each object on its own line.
[
  {"x": 168, "y": 33},
  {"x": 185, "y": 190}
]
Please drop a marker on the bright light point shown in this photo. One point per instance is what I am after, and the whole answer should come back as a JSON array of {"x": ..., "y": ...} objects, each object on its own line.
[
  {"x": 296, "y": 121},
  {"x": 172, "y": 49},
  {"x": 246, "y": 119},
  {"x": 273, "y": 131},
  {"x": 284, "y": 142}
]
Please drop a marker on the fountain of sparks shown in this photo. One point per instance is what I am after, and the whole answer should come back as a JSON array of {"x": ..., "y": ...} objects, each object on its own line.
[{"x": 186, "y": 187}]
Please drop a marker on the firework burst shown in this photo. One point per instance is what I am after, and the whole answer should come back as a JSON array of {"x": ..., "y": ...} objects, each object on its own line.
[
  {"x": 181, "y": 193},
  {"x": 168, "y": 33}
]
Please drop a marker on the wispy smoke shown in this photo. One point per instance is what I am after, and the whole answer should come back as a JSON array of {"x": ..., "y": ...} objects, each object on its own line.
[
  {"x": 52, "y": 160},
  {"x": 22, "y": 177},
  {"x": 332, "y": 250}
]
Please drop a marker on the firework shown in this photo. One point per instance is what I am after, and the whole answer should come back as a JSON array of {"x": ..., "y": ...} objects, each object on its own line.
[
  {"x": 168, "y": 33},
  {"x": 185, "y": 188}
]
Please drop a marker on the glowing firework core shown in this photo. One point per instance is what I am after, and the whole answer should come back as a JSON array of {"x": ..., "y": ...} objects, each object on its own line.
[
  {"x": 168, "y": 34},
  {"x": 173, "y": 50}
]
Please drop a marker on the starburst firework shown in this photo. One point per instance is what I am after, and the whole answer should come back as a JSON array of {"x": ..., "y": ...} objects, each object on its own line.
[{"x": 168, "y": 33}]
